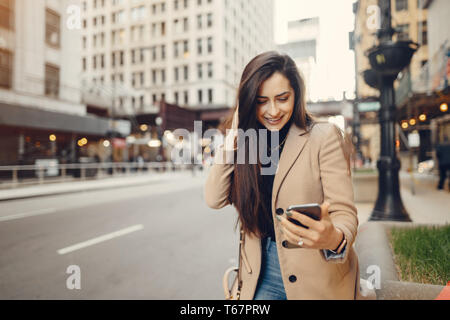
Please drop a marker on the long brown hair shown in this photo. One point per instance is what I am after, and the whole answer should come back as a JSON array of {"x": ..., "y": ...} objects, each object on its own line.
[{"x": 245, "y": 185}]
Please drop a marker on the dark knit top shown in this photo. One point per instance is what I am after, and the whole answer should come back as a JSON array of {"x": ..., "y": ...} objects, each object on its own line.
[{"x": 266, "y": 180}]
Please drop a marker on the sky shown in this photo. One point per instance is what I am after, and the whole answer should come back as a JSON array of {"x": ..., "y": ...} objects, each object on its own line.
[{"x": 335, "y": 61}]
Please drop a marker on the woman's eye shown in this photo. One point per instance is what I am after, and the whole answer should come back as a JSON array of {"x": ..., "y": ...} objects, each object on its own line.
[
  {"x": 260, "y": 101},
  {"x": 283, "y": 99}
]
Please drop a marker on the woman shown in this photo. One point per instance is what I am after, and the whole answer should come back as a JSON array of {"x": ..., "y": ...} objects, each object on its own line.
[{"x": 281, "y": 259}]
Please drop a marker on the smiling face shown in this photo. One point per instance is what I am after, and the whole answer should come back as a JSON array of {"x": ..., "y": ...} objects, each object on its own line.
[{"x": 275, "y": 102}]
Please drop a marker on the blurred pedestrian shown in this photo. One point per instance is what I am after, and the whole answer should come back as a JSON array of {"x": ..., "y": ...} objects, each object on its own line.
[
  {"x": 281, "y": 259},
  {"x": 443, "y": 156}
]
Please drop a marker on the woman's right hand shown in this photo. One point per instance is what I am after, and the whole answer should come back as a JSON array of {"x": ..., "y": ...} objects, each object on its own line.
[{"x": 231, "y": 134}]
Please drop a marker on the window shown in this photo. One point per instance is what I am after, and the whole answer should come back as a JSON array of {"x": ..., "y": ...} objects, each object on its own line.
[
  {"x": 133, "y": 56},
  {"x": 200, "y": 96},
  {"x": 175, "y": 4},
  {"x": 199, "y": 21},
  {"x": 121, "y": 58},
  {"x": 209, "y": 20},
  {"x": 52, "y": 28},
  {"x": 186, "y": 73},
  {"x": 141, "y": 55},
  {"x": 102, "y": 61},
  {"x": 199, "y": 71},
  {"x": 176, "y": 74},
  {"x": 163, "y": 76},
  {"x": 199, "y": 46},
  {"x": 186, "y": 97},
  {"x": 7, "y": 14},
  {"x": 403, "y": 32},
  {"x": 210, "y": 44},
  {"x": 6, "y": 58},
  {"x": 175, "y": 49},
  {"x": 185, "y": 24},
  {"x": 51, "y": 80},
  {"x": 176, "y": 97},
  {"x": 422, "y": 30},
  {"x": 210, "y": 95},
  {"x": 185, "y": 47},
  {"x": 84, "y": 64},
  {"x": 163, "y": 52},
  {"x": 210, "y": 70},
  {"x": 94, "y": 62},
  {"x": 401, "y": 5}
]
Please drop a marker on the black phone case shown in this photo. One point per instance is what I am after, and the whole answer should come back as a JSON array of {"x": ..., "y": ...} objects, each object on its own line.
[{"x": 311, "y": 210}]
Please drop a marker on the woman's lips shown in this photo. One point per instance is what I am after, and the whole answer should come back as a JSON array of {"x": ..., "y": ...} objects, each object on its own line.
[{"x": 278, "y": 120}]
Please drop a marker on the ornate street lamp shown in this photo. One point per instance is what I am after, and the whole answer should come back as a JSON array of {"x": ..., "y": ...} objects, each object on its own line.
[{"x": 387, "y": 59}]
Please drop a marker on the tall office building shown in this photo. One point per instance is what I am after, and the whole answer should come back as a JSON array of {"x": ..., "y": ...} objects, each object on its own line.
[
  {"x": 186, "y": 52},
  {"x": 303, "y": 40},
  {"x": 41, "y": 113}
]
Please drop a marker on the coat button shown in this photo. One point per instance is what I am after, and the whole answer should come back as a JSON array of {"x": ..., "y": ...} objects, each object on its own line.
[
  {"x": 279, "y": 211},
  {"x": 284, "y": 243},
  {"x": 292, "y": 278}
]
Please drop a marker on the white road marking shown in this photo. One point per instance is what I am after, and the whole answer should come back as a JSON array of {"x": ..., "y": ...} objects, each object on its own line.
[
  {"x": 27, "y": 214},
  {"x": 103, "y": 238}
]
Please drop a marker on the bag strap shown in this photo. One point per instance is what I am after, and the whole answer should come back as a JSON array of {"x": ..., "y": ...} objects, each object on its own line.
[{"x": 241, "y": 243}]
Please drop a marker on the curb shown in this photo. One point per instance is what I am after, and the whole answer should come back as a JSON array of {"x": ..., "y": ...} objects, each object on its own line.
[
  {"x": 81, "y": 186},
  {"x": 373, "y": 249}
]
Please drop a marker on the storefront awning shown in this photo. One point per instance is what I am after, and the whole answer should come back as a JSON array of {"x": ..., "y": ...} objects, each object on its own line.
[{"x": 20, "y": 116}]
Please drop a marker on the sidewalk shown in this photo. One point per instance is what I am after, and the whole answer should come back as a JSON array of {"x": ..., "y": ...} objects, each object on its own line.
[
  {"x": 86, "y": 185},
  {"x": 427, "y": 206}
]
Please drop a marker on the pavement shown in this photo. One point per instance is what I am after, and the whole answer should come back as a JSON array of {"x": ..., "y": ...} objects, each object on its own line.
[{"x": 426, "y": 205}]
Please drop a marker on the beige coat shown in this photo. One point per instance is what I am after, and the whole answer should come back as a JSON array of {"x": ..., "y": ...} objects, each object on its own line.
[{"x": 312, "y": 169}]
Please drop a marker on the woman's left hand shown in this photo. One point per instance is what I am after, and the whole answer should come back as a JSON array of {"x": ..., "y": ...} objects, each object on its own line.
[{"x": 321, "y": 234}]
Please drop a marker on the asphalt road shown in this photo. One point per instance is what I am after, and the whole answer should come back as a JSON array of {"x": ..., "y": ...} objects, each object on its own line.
[{"x": 155, "y": 241}]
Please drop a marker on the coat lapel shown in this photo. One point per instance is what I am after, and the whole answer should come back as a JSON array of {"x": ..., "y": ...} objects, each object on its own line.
[{"x": 294, "y": 144}]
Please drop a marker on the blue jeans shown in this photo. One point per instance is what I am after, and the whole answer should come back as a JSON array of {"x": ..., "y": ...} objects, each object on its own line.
[{"x": 270, "y": 284}]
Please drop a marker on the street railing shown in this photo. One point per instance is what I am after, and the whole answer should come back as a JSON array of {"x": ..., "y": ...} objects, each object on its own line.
[{"x": 18, "y": 175}]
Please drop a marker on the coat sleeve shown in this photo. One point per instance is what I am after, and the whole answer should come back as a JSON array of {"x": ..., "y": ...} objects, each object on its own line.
[
  {"x": 338, "y": 189},
  {"x": 218, "y": 181}
]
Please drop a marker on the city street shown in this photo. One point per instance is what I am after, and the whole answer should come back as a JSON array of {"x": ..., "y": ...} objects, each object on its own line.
[{"x": 170, "y": 245}]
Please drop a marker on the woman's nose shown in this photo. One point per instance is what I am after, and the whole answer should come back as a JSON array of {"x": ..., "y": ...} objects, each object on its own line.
[{"x": 273, "y": 109}]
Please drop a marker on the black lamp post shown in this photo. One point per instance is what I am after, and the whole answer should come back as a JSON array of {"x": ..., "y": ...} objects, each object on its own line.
[{"x": 387, "y": 60}]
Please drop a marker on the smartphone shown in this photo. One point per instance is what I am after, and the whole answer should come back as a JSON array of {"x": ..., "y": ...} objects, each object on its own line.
[{"x": 311, "y": 210}]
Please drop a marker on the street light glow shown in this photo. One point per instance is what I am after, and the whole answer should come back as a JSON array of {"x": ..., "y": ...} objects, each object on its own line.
[
  {"x": 143, "y": 127},
  {"x": 52, "y": 137},
  {"x": 412, "y": 121},
  {"x": 155, "y": 143},
  {"x": 423, "y": 117},
  {"x": 405, "y": 125},
  {"x": 443, "y": 107}
]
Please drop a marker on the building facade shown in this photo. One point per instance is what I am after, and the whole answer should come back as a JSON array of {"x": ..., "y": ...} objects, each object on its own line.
[
  {"x": 303, "y": 40},
  {"x": 41, "y": 111},
  {"x": 409, "y": 18},
  {"x": 186, "y": 52}
]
